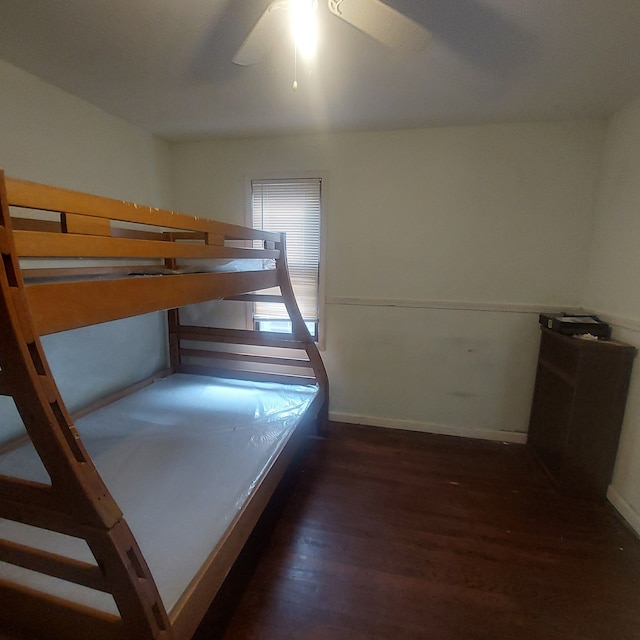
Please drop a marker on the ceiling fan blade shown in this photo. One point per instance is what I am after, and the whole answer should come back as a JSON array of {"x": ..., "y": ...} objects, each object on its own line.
[
  {"x": 261, "y": 38},
  {"x": 383, "y": 23}
]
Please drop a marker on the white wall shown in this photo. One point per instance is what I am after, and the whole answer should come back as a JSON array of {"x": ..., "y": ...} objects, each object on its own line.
[
  {"x": 49, "y": 136},
  {"x": 612, "y": 287},
  {"x": 442, "y": 246},
  {"x": 52, "y": 137}
]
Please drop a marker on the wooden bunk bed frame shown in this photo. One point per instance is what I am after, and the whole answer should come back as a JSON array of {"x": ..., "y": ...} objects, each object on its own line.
[{"x": 40, "y": 301}]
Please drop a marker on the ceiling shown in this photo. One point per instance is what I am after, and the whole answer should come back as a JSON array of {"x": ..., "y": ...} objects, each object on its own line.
[{"x": 165, "y": 65}]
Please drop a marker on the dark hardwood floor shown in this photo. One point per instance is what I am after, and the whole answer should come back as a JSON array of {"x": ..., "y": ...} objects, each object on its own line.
[{"x": 387, "y": 534}]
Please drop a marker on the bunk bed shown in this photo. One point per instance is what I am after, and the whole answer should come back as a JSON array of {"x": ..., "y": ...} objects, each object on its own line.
[{"x": 121, "y": 520}]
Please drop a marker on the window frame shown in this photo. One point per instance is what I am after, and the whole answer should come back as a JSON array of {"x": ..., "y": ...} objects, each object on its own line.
[{"x": 324, "y": 182}]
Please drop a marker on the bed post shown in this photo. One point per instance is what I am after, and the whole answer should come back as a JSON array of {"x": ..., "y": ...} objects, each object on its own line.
[
  {"x": 173, "y": 324},
  {"x": 301, "y": 332},
  {"x": 173, "y": 317}
]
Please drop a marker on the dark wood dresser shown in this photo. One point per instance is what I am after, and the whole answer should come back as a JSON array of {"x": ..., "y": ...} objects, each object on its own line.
[{"x": 578, "y": 405}]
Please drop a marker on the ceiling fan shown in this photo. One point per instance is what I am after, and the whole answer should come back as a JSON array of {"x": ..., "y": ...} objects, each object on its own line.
[{"x": 373, "y": 17}]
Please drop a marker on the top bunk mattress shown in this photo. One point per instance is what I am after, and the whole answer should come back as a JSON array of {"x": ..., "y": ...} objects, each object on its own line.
[
  {"x": 40, "y": 270},
  {"x": 180, "y": 457}
]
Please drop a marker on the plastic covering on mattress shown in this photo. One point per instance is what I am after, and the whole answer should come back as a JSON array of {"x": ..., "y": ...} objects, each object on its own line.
[
  {"x": 39, "y": 270},
  {"x": 180, "y": 457},
  {"x": 211, "y": 265}
]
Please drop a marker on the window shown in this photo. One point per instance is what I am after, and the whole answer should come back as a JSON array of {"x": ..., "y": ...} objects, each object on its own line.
[{"x": 292, "y": 206}]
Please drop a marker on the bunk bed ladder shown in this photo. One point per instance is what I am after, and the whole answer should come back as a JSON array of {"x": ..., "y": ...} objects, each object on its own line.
[{"x": 76, "y": 503}]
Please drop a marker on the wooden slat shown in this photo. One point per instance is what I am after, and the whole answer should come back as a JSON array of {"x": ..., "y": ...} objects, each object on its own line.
[
  {"x": 6, "y": 388},
  {"x": 256, "y": 297},
  {"x": 88, "y": 225},
  {"x": 38, "y": 505},
  {"x": 123, "y": 232},
  {"x": 28, "y": 492},
  {"x": 69, "y": 305},
  {"x": 245, "y": 357},
  {"x": 238, "y": 374},
  {"x": 241, "y": 336},
  {"x": 80, "y": 272},
  {"x": 45, "y": 616},
  {"x": 185, "y": 235},
  {"x": 38, "y": 516},
  {"x": 30, "y": 224},
  {"x": 53, "y": 564},
  {"x": 36, "y": 196},
  {"x": 34, "y": 244}
]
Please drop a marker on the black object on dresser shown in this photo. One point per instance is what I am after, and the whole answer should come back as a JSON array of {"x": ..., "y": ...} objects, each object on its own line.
[{"x": 578, "y": 405}]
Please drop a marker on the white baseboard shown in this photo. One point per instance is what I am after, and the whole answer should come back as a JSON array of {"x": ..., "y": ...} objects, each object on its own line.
[
  {"x": 624, "y": 509},
  {"x": 411, "y": 425}
]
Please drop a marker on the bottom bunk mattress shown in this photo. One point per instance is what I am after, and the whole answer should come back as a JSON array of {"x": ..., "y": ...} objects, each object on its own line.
[{"x": 181, "y": 457}]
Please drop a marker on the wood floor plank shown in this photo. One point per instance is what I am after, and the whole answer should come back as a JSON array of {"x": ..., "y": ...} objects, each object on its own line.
[{"x": 391, "y": 535}]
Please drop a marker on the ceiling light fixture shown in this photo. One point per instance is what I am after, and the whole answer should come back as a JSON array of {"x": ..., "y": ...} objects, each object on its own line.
[
  {"x": 304, "y": 26},
  {"x": 304, "y": 30}
]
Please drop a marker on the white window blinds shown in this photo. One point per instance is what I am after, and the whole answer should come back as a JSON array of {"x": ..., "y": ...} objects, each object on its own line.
[{"x": 292, "y": 206}]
